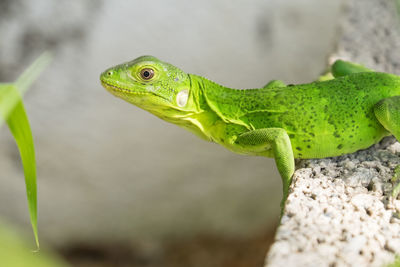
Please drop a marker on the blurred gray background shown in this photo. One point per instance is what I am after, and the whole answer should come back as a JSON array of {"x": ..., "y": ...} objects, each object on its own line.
[{"x": 110, "y": 171}]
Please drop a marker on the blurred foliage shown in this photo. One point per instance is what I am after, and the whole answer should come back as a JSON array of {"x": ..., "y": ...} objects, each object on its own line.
[
  {"x": 397, "y": 6},
  {"x": 13, "y": 112},
  {"x": 396, "y": 262},
  {"x": 15, "y": 252}
]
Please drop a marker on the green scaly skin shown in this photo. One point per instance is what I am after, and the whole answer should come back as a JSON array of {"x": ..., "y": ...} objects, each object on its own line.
[{"x": 349, "y": 112}]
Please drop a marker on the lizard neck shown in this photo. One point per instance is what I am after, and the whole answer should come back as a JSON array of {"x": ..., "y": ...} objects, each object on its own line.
[
  {"x": 222, "y": 101},
  {"x": 200, "y": 120},
  {"x": 210, "y": 96}
]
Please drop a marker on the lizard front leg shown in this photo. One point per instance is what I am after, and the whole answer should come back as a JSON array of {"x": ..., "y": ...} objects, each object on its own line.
[
  {"x": 277, "y": 140},
  {"x": 387, "y": 111}
]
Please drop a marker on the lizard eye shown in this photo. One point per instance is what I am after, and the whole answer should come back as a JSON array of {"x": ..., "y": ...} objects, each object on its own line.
[{"x": 147, "y": 73}]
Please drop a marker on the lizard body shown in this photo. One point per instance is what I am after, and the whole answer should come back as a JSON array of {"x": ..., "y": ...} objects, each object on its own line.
[{"x": 352, "y": 111}]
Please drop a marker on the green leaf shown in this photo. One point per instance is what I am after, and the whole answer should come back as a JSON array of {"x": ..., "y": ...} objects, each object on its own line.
[
  {"x": 9, "y": 98},
  {"x": 19, "y": 126},
  {"x": 32, "y": 72},
  {"x": 13, "y": 112}
]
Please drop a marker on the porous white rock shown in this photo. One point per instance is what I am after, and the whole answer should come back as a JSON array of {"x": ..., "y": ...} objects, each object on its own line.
[
  {"x": 340, "y": 219},
  {"x": 340, "y": 211}
]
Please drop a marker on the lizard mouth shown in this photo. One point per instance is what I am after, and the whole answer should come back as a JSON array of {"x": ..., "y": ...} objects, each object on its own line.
[
  {"x": 118, "y": 91},
  {"x": 114, "y": 88}
]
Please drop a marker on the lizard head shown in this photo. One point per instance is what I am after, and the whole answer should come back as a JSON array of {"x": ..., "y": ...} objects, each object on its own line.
[{"x": 153, "y": 85}]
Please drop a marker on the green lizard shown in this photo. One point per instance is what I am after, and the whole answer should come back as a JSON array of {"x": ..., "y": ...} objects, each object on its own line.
[{"x": 352, "y": 110}]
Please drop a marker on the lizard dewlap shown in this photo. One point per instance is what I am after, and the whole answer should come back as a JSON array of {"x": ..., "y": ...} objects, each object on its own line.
[{"x": 352, "y": 111}]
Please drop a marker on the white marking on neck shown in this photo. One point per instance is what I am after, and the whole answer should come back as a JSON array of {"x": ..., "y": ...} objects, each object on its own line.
[{"x": 182, "y": 98}]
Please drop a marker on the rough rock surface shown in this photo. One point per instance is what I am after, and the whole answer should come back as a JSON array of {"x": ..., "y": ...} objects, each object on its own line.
[{"x": 339, "y": 211}]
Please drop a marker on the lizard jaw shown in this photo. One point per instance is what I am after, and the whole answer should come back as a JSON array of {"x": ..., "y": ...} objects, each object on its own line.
[
  {"x": 114, "y": 88},
  {"x": 131, "y": 96}
]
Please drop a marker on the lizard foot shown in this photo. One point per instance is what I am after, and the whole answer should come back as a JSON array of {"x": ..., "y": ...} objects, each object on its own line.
[{"x": 396, "y": 182}]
